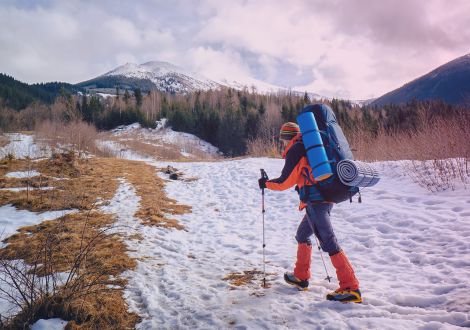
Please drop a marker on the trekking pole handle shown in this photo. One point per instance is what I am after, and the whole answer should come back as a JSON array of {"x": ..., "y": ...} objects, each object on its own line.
[{"x": 264, "y": 175}]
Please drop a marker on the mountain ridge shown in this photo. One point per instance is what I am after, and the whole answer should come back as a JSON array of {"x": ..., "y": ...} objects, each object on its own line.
[
  {"x": 171, "y": 78},
  {"x": 449, "y": 82}
]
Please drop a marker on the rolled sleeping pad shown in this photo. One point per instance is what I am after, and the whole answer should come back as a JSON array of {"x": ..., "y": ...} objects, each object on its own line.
[
  {"x": 357, "y": 174},
  {"x": 313, "y": 143}
]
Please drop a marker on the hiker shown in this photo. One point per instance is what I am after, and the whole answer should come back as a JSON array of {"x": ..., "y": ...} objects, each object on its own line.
[{"x": 316, "y": 220}]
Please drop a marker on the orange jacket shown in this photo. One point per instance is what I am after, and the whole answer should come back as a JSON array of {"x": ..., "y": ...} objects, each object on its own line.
[{"x": 296, "y": 169}]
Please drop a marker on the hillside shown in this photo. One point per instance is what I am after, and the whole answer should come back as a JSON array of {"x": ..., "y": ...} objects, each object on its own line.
[
  {"x": 18, "y": 95},
  {"x": 449, "y": 83}
]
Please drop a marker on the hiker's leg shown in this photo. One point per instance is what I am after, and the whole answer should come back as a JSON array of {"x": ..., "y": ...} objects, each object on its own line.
[
  {"x": 320, "y": 214},
  {"x": 304, "y": 250}
]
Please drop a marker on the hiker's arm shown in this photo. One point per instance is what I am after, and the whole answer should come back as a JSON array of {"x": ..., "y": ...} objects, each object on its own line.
[{"x": 290, "y": 172}]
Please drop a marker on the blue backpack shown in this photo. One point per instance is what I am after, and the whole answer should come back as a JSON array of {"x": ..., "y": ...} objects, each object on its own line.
[{"x": 337, "y": 148}]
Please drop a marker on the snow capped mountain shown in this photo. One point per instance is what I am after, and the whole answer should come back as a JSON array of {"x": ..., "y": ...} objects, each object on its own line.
[
  {"x": 167, "y": 77},
  {"x": 164, "y": 76}
]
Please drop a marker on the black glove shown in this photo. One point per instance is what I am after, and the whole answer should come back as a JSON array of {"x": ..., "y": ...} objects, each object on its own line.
[{"x": 262, "y": 183}]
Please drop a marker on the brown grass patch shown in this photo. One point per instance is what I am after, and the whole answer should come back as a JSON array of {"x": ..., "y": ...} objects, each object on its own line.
[
  {"x": 102, "y": 307},
  {"x": 154, "y": 203},
  {"x": 78, "y": 183},
  {"x": 247, "y": 278},
  {"x": 81, "y": 181},
  {"x": 159, "y": 149},
  {"x": 166, "y": 151}
]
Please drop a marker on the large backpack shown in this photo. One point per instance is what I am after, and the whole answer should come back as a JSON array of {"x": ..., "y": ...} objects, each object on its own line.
[{"x": 337, "y": 148}]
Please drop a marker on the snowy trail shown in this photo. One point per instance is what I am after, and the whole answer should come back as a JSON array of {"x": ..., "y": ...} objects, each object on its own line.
[{"x": 410, "y": 249}]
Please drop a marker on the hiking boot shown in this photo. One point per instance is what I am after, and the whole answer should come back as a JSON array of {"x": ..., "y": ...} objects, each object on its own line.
[
  {"x": 292, "y": 280},
  {"x": 345, "y": 296}
]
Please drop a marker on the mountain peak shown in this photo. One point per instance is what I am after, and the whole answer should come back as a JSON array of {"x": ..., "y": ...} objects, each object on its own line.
[
  {"x": 165, "y": 76},
  {"x": 168, "y": 77}
]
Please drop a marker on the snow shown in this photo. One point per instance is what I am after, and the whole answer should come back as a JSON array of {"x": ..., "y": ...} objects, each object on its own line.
[
  {"x": 165, "y": 76},
  {"x": 22, "y": 174},
  {"x": 50, "y": 324},
  {"x": 105, "y": 95},
  {"x": 119, "y": 151},
  {"x": 25, "y": 188},
  {"x": 187, "y": 143},
  {"x": 22, "y": 146},
  {"x": 11, "y": 218},
  {"x": 409, "y": 247}
]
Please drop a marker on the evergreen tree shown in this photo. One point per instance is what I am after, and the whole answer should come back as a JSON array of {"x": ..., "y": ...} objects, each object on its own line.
[{"x": 138, "y": 96}]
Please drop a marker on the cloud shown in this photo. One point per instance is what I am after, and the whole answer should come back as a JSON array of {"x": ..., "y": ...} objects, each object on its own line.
[{"x": 348, "y": 48}]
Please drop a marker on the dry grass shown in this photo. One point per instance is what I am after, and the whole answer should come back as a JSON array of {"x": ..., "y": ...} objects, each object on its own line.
[
  {"x": 166, "y": 151},
  {"x": 102, "y": 306},
  {"x": 154, "y": 204},
  {"x": 263, "y": 148},
  {"x": 438, "y": 151},
  {"x": 435, "y": 138},
  {"x": 78, "y": 183},
  {"x": 247, "y": 278},
  {"x": 159, "y": 149}
]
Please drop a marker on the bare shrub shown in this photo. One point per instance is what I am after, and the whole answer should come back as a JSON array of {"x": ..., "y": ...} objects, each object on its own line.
[
  {"x": 32, "y": 115},
  {"x": 9, "y": 121},
  {"x": 439, "y": 174},
  {"x": 266, "y": 143},
  {"x": 438, "y": 149},
  {"x": 76, "y": 135},
  {"x": 40, "y": 290},
  {"x": 435, "y": 138},
  {"x": 262, "y": 147}
]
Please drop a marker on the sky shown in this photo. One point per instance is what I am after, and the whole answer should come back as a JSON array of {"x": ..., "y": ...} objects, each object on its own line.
[{"x": 353, "y": 49}]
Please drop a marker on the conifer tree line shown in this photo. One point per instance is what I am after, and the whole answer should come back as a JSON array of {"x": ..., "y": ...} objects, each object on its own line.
[{"x": 235, "y": 121}]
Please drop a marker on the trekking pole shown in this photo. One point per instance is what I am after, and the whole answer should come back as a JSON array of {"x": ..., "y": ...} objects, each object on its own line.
[
  {"x": 264, "y": 176},
  {"x": 328, "y": 277}
]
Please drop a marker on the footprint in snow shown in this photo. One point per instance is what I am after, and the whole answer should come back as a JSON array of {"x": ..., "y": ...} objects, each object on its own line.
[{"x": 433, "y": 202}]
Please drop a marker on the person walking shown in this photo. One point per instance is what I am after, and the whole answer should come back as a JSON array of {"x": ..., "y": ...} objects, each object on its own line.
[{"x": 297, "y": 172}]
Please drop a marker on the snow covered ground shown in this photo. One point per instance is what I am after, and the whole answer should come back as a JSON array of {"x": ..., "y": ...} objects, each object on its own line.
[
  {"x": 50, "y": 324},
  {"x": 410, "y": 249},
  {"x": 22, "y": 146},
  {"x": 11, "y": 219},
  {"x": 188, "y": 145}
]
